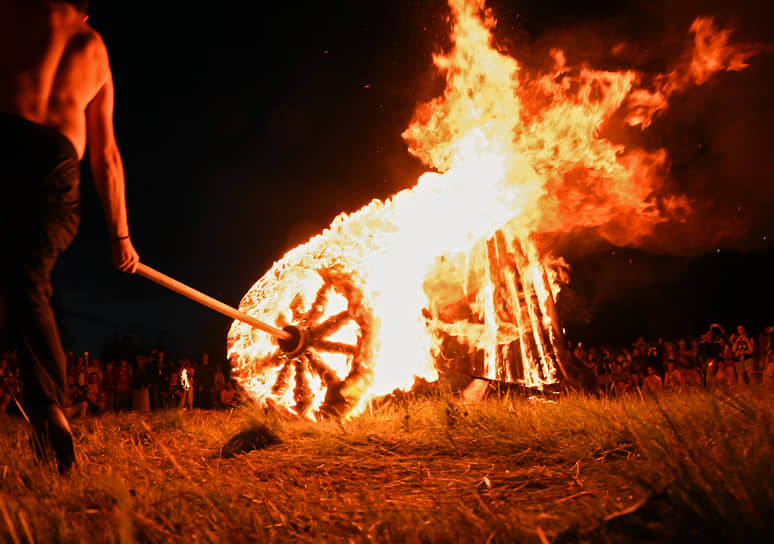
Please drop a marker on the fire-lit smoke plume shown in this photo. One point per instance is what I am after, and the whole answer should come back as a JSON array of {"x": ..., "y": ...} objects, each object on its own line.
[
  {"x": 711, "y": 53},
  {"x": 513, "y": 155}
]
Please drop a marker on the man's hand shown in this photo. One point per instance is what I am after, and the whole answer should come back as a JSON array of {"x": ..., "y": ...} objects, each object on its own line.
[{"x": 125, "y": 257}]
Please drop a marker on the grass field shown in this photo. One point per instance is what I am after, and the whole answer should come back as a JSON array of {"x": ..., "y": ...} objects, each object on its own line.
[{"x": 430, "y": 469}]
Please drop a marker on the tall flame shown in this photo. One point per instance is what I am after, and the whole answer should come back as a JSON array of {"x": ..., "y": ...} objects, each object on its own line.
[{"x": 513, "y": 155}]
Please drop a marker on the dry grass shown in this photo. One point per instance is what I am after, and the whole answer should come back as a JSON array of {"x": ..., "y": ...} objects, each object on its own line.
[{"x": 415, "y": 470}]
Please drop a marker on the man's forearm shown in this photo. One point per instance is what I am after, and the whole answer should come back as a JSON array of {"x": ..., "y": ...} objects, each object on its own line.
[{"x": 108, "y": 172}]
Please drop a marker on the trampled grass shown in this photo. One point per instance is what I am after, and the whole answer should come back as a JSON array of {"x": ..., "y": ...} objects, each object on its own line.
[{"x": 432, "y": 469}]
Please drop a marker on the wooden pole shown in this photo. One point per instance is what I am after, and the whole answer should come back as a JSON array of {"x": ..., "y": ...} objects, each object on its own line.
[{"x": 205, "y": 300}]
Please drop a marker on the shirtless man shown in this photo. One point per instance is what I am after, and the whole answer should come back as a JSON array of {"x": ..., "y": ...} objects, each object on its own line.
[{"x": 56, "y": 93}]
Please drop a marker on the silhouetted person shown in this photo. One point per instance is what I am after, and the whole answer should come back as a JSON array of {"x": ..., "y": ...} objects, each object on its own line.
[
  {"x": 56, "y": 93},
  {"x": 158, "y": 379},
  {"x": 205, "y": 380}
]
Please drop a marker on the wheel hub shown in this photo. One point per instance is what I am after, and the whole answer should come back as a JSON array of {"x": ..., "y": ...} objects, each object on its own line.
[{"x": 299, "y": 340}]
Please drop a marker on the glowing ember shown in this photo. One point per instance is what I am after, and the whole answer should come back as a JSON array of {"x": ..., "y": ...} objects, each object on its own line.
[{"x": 379, "y": 292}]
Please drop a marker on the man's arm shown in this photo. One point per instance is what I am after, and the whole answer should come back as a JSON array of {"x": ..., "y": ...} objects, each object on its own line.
[{"x": 108, "y": 171}]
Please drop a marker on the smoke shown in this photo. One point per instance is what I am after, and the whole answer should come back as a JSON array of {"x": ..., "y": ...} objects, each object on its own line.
[
  {"x": 716, "y": 136},
  {"x": 714, "y": 190}
]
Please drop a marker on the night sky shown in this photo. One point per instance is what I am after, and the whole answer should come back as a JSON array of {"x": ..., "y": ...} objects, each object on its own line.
[{"x": 245, "y": 133}]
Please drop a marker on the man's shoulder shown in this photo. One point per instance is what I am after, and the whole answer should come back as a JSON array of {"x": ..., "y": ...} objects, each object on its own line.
[
  {"x": 88, "y": 55},
  {"x": 86, "y": 38}
]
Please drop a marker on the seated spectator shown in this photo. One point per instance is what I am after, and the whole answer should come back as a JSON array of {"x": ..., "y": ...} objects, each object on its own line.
[
  {"x": 725, "y": 354},
  {"x": 75, "y": 403},
  {"x": 158, "y": 379},
  {"x": 81, "y": 371},
  {"x": 624, "y": 387},
  {"x": 228, "y": 395},
  {"x": 652, "y": 382},
  {"x": 693, "y": 353},
  {"x": 205, "y": 378},
  {"x": 691, "y": 377},
  {"x": 94, "y": 396},
  {"x": 626, "y": 359},
  {"x": 727, "y": 376},
  {"x": 70, "y": 366},
  {"x": 639, "y": 357},
  {"x": 605, "y": 361},
  {"x": 682, "y": 349},
  {"x": 218, "y": 382},
  {"x": 592, "y": 361},
  {"x": 95, "y": 365},
  {"x": 174, "y": 396},
  {"x": 652, "y": 358},
  {"x": 669, "y": 353},
  {"x": 124, "y": 378},
  {"x": 140, "y": 393},
  {"x": 109, "y": 386},
  {"x": 621, "y": 380},
  {"x": 673, "y": 377}
]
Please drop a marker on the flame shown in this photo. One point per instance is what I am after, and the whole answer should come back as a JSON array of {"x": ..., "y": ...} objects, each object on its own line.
[
  {"x": 185, "y": 382},
  {"x": 711, "y": 54},
  {"x": 382, "y": 290}
]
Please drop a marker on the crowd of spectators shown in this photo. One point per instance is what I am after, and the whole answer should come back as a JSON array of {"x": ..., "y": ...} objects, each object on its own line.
[
  {"x": 716, "y": 358},
  {"x": 151, "y": 381},
  {"x": 142, "y": 383}
]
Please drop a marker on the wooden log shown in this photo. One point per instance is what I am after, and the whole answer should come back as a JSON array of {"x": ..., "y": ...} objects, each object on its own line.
[{"x": 526, "y": 301}]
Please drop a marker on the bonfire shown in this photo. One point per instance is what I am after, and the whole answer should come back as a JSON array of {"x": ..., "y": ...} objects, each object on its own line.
[{"x": 377, "y": 299}]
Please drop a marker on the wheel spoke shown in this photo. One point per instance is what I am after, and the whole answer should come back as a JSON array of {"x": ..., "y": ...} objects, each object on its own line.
[
  {"x": 318, "y": 305},
  {"x": 318, "y": 366},
  {"x": 275, "y": 359},
  {"x": 282, "y": 321},
  {"x": 281, "y": 383},
  {"x": 295, "y": 306},
  {"x": 334, "y": 347},
  {"x": 302, "y": 393},
  {"x": 330, "y": 325}
]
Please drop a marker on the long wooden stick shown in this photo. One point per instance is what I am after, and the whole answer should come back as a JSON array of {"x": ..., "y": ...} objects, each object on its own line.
[
  {"x": 13, "y": 396},
  {"x": 206, "y": 300}
]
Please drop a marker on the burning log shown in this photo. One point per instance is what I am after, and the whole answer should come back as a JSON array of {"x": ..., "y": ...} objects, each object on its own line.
[
  {"x": 507, "y": 287},
  {"x": 511, "y": 332},
  {"x": 538, "y": 302}
]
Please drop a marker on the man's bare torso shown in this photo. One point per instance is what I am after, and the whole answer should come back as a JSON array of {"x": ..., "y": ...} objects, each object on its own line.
[{"x": 52, "y": 64}]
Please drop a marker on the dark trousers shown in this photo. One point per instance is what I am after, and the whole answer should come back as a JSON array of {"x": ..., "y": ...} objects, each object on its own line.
[{"x": 39, "y": 215}]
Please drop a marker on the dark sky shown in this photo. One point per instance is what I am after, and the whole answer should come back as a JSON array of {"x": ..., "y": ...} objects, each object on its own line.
[{"x": 243, "y": 133}]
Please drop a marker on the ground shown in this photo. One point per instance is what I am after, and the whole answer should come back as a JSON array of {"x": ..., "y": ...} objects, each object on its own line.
[{"x": 433, "y": 469}]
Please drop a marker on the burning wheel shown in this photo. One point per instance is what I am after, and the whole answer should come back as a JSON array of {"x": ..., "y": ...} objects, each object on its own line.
[{"x": 326, "y": 364}]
